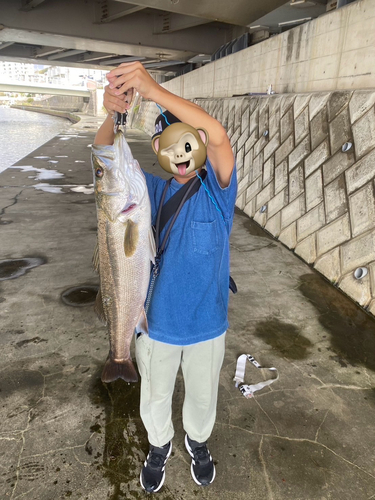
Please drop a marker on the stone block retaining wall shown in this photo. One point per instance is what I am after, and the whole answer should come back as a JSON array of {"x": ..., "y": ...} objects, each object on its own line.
[{"x": 298, "y": 184}]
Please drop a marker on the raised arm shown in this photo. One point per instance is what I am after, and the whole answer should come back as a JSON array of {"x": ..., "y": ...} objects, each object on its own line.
[{"x": 134, "y": 75}]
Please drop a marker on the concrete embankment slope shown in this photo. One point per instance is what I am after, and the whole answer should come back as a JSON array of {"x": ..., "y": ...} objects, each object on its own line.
[
  {"x": 66, "y": 435},
  {"x": 74, "y": 118}
]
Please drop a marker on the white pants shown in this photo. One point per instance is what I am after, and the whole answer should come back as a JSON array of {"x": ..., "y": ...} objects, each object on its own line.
[{"x": 158, "y": 364}]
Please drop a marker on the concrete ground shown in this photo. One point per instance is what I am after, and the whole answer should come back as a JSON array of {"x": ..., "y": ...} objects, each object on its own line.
[{"x": 66, "y": 435}]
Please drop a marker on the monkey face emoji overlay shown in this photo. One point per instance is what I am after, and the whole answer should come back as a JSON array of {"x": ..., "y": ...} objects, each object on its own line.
[{"x": 180, "y": 148}]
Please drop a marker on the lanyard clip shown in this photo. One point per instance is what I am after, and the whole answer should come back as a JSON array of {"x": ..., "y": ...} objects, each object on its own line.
[
  {"x": 120, "y": 119},
  {"x": 245, "y": 390}
]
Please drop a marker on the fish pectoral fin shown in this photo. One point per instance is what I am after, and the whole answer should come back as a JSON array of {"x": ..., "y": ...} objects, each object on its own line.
[
  {"x": 142, "y": 325},
  {"x": 95, "y": 257},
  {"x": 99, "y": 309},
  {"x": 114, "y": 370},
  {"x": 131, "y": 238},
  {"x": 152, "y": 245}
]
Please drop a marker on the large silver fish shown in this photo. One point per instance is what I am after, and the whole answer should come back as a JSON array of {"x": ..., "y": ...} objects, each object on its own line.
[{"x": 125, "y": 248}]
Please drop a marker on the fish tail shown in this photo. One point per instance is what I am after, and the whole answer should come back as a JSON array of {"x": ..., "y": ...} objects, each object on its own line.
[{"x": 114, "y": 370}]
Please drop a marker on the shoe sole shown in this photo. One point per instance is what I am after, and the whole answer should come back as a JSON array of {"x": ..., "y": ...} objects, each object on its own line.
[
  {"x": 163, "y": 477},
  {"x": 190, "y": 451}
]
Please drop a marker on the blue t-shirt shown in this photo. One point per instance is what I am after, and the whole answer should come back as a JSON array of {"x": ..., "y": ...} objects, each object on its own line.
[{"x": 189, "y": 303}]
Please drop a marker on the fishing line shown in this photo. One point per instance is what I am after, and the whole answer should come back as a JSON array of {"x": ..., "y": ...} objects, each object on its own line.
[
  {"x": 161, "y": 111},
  {"x": 209, "y": 195}
]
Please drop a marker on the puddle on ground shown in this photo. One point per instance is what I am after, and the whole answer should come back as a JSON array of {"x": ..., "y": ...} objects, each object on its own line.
[
  {"x": 285, "y": 338},
  {"x": 14, "y": 268},
  {"x": 352, "y": 330},
  {"x": 42, "y": 173},
  {"x": 80, "y": 296}
]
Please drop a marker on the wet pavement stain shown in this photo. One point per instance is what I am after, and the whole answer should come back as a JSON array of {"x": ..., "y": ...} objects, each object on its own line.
[
  {"x": 14, "y": 268},
  {"x": 250, "y": 226},
  {"x": 125, "y": 437},
  {"x": 80, "y": 296},
  {"x": 35, "y": 340},
  {"x": 352, "y": 330},
  {"x": 285, "y": 338},
  {"x": 19, "y": 331},
  {"x": 25, "y": 383},
  {"x": 3, "y": 209}
]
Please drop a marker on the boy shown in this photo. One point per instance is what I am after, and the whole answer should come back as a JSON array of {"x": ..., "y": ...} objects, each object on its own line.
[{"x": 188, "y": 311}]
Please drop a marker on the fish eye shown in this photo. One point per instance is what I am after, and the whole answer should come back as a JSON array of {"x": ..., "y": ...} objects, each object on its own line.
[
  {"x": 99, "y": 172},
  {"x": 187, "y": 147}
]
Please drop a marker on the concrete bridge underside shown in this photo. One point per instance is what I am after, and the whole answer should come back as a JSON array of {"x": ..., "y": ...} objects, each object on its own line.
[
  {"x": 163, "y": 34},
  {"x": 39, "y": 89}
]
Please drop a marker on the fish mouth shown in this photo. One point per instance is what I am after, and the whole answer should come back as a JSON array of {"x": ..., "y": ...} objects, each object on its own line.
[
  {"x": 128, "y": 208},
  {"x": 182, "y": 167}
]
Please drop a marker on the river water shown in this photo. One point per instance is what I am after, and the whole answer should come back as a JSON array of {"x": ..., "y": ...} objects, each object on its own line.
[{"x": 23, "y": 131}]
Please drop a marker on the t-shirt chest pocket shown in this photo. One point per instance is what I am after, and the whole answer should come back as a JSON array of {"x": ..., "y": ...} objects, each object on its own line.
[{"x": 205, "y": 237}]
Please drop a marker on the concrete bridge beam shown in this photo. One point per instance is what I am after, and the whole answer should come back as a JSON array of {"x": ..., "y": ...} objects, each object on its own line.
[{"x": 36, "y": 89}]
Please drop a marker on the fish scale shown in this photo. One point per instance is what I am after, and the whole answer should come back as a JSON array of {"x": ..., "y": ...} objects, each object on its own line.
[
  {"x": 124, "y": 282},
  {"x": 125, "y": 248}
]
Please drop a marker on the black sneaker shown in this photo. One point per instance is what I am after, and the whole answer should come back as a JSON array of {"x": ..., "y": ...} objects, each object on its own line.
[
  {"x": 202, "y": 465},
  {"x": 153, "y": 472}
]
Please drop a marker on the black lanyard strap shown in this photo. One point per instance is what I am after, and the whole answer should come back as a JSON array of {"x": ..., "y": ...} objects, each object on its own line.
[
  {"x": 172, "y": 208},
  {"x": 158, "y": 217}
]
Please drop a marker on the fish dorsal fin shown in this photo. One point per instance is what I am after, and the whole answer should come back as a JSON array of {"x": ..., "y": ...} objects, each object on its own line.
[
  {"x": 131, "y": 238},
  {"x": 98, "y": 308},
  {"x": 95, "y": 257},
  {"x": 151, "y": 240}
]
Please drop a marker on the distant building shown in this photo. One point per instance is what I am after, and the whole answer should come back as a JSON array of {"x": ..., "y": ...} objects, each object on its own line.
[
  {"x": 16, "y": 71},
  {"x": 37, "y": 73}
]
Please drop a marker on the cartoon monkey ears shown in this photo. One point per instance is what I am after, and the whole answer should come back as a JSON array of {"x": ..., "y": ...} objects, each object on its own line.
[
  {"x": 155, "y": 143},
  {"x": 203, "y": 135}
]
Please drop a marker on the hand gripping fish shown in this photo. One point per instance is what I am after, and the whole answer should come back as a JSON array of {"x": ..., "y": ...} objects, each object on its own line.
[{"x": 125, "y": 248}]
